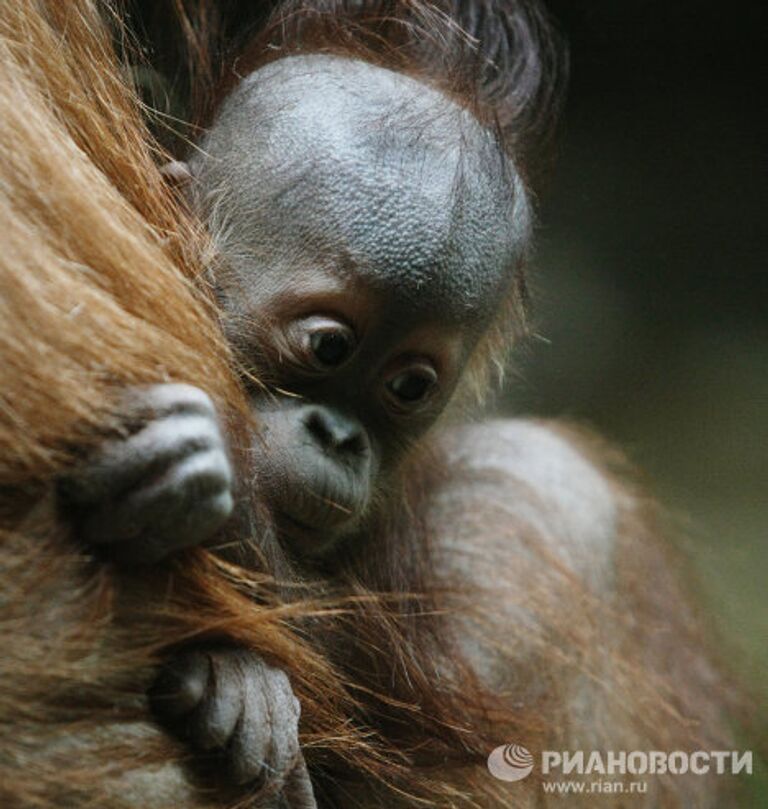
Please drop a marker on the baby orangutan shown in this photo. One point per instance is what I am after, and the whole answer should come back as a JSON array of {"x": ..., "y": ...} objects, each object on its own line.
[{"x": 369, "y": 228}]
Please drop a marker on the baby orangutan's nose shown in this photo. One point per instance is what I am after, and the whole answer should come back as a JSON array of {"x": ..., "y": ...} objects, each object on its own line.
[{"x": 335, "y": 431}]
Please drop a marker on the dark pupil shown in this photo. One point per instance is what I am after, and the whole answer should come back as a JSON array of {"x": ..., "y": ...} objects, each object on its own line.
[
  {"x": 330, "y": 347},
  {"x": 410, "y": 387}
]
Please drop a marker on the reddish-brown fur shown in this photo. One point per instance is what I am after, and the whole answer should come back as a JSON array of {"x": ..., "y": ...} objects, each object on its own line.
[{"x": 102, "y": 286}]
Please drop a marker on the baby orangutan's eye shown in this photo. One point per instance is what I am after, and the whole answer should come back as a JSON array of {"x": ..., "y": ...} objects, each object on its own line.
[
  {"x": 326, "y": 343},
  {"x": 411, "y": 387}
]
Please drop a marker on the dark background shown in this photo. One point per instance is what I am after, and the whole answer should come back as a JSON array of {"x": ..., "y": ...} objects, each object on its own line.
[{"x": 650, "y": 281}]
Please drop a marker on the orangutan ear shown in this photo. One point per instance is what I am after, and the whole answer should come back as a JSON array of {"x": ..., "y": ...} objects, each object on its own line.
[{"x": 177, "y": 173}]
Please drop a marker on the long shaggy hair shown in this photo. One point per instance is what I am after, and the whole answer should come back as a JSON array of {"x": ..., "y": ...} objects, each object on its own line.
[{"x": 103, "y": 286}]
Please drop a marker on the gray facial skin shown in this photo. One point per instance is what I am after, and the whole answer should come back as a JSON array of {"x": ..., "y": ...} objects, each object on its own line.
[{"x": 348, "y": 199}]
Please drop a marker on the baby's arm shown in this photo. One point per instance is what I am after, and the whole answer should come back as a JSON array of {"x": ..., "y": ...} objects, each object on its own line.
[{"x": 167, "y": 484}]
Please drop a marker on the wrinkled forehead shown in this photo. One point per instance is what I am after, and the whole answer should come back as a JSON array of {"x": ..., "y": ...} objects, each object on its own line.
[{"x": 326, "y": 160}]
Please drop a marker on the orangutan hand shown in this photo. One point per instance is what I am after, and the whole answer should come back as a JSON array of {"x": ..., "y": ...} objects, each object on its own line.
[
  {"x": 229, "y": 705},
  {"x": 165, "y": 484}
]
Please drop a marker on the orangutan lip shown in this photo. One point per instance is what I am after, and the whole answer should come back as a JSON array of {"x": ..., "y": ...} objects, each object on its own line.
[
  {"x": 315, "y": 520},
  {"x": 308, "y": 536}
]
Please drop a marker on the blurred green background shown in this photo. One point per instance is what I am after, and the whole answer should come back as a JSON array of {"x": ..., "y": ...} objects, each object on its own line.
[{"x": 650, "y": 283}]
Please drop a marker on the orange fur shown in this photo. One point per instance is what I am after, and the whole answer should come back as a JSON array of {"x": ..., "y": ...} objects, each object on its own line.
[{"x": 103, "y": 286}]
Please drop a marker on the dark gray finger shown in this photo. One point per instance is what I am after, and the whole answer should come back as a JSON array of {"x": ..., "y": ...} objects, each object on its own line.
[
  {"x": 149, "y": 548},
  {"x": 265, "y": 743},
  {"x": 283, "y": 711},
  {"x": 181, "y": 684},
  {"x": 298, "y": 792},
  {"x": 120, "y": 464},
  {"x": 183, "y": 507},
  {"x": 216, "y": 718},
  {"x": 252, "y": 737},
  {"x": 157, "y": 401},
  {"x": 207, "y": 515}
]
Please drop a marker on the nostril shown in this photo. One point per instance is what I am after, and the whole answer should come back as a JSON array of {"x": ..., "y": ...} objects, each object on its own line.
[
  {"x": 334, "y": 431},
  {"x": 355, "y": 443},
  {"x": 316, "y": 425}
]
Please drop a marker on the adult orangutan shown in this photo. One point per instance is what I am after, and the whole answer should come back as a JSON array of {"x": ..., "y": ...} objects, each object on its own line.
[
  {"x": 364, "y": 184},
  {"x": 102, "y": 289}
]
